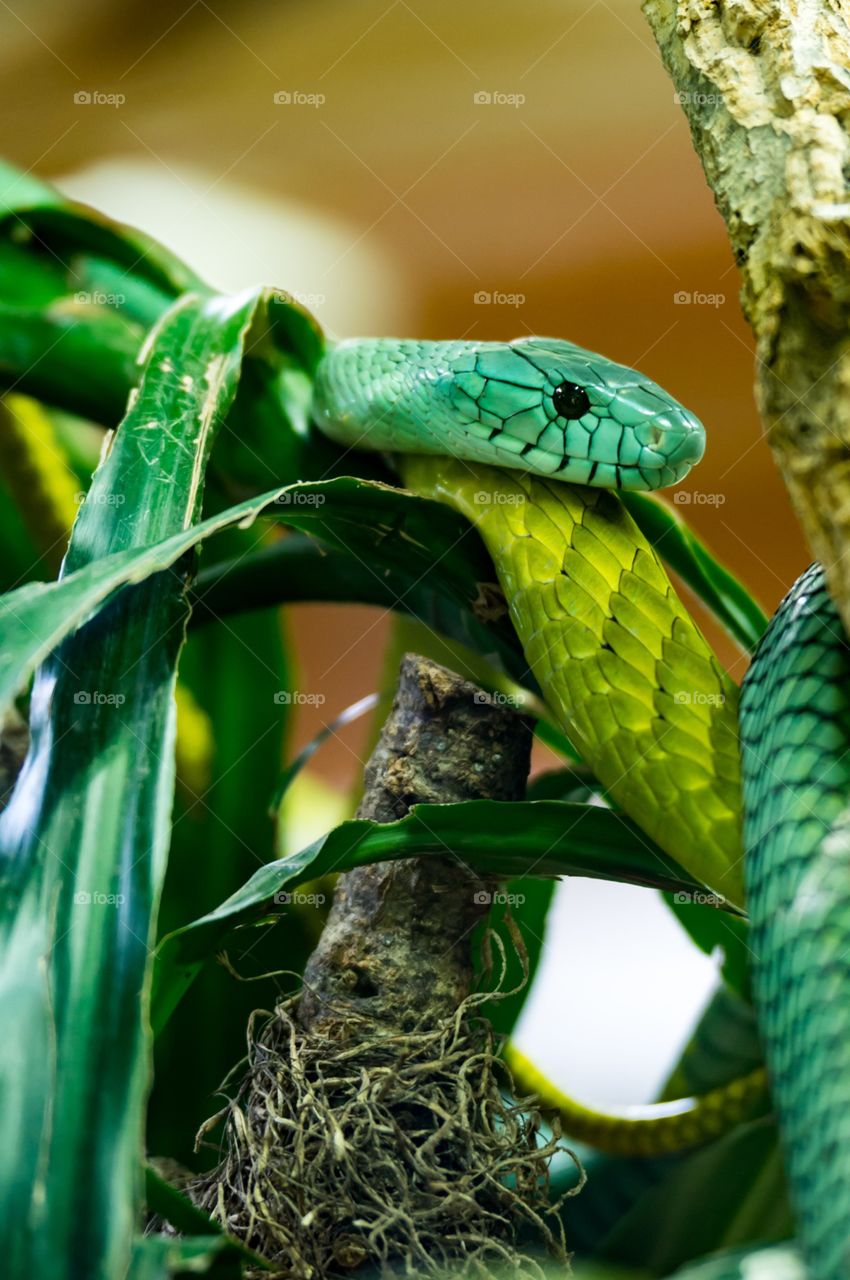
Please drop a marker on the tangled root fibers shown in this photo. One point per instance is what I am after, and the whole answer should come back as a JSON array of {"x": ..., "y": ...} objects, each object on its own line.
[{"x": 395, "y": 1150}]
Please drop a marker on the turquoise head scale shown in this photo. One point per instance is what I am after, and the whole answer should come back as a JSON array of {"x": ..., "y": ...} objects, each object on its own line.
[{"x": 536, "y": 404}]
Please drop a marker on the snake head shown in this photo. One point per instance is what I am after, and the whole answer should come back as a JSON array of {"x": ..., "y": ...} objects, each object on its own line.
[{"x": 557, "y": 409}]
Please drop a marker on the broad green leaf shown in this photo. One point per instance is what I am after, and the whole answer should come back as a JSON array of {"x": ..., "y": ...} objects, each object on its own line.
[
  {"x": 497, "y": 838},
  {"x": 374, "y": 526},
  {"x": 35, "y": 213},
  {"x": 84, "y": 839},
  {"x": 80, "y": 291},
  {"x": 730, "y": 1193},
  {"x": 343, "y": 512},
  {"x": 239, "y": 674},
  {"x": 682, "y": 550}
]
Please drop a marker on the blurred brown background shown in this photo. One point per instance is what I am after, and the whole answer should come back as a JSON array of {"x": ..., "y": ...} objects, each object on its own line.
[{"x": 417, "y": 155}]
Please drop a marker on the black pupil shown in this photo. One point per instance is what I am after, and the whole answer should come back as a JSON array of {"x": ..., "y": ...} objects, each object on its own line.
[{"x": 570, "y": 400}]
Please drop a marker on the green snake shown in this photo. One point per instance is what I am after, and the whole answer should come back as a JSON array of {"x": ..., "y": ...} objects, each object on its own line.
[{"x": 529, "y": 439}]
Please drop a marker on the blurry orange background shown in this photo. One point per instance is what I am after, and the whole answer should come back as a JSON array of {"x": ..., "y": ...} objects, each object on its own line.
[{"x": 392, "y": 159}]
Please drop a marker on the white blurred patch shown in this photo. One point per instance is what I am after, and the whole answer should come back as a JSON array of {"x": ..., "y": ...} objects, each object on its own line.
[
  {"x": 619, "y": 988},
  {"x": 236, "y": 238}
]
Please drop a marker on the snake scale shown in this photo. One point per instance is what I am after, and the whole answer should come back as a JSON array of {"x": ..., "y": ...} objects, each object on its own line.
[{"x": 529, "y": 440}]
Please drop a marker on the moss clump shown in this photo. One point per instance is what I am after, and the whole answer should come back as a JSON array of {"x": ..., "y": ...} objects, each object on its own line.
[{"x": 399, "y": 1151}]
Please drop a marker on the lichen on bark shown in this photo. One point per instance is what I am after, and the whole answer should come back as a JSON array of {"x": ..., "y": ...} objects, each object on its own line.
[{"x": 765, "y": 85}]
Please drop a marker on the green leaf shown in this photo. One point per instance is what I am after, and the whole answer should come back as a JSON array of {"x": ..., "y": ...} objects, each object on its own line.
[
  {"x": 170, "y": 1258},
  {"x": 37, "y": 215},
  {"x": 544, "y": 838},
  {"x": 36, "y": 617},
  {"x": 236, "y": 672},
  {"x": 85, "y": 836},
  {"x": 682, "y": 550},
  {"x": 173, "y": 1207},
  {"x": 80, "y": 292},
  {"x": 730, "y": 1193}
]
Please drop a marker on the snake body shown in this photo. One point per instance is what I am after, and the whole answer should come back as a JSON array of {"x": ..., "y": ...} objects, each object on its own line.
[
  {"x": 795, "y": 729},
  {"x": 528, "y": 439}
]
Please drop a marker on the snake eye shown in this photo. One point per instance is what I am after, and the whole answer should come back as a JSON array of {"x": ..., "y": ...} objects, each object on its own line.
[{"x": 570, "y": 400}]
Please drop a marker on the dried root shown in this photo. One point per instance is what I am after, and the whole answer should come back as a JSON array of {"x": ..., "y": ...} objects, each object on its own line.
[{"x": 401, "y": 1153}]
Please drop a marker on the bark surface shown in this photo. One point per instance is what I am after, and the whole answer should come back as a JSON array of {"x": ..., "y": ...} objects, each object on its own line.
[
  {"x": 765, "y": 85},
  {"x": 397, "y": 943}
]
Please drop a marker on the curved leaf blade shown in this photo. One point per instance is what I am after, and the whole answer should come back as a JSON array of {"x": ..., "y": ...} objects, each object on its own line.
[
  {"x": 541, "y": 838},
  {"x": 84, "y": 839}
]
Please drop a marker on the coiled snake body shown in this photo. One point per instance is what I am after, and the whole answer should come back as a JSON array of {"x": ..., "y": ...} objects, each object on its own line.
[{"x": 528, "y": 439}]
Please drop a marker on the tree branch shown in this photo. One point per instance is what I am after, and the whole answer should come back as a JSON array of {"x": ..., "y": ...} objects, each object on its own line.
[
  {"x": 397, "y": 942},
  {"x": 766, "y": 88}
]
